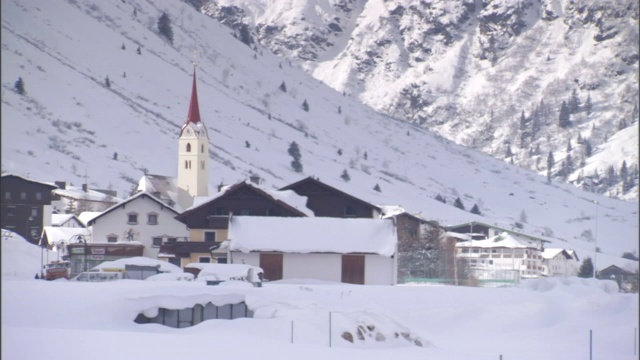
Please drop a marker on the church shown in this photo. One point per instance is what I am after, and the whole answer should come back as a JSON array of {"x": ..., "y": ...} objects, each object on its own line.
[{"x": 193, "y": 163}]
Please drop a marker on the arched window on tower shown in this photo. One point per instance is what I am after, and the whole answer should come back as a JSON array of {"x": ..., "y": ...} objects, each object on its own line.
[
  {"x": 202, "y": 164},
  {"x": 189, "y": 164},
  {"x": 186, "y": 164},
  {"x": 202, "y": 148},
  {"x": 188, "y": 147}
]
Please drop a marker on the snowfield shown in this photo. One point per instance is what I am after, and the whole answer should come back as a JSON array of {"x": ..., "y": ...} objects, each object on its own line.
[{"x": 540, "y": 319}]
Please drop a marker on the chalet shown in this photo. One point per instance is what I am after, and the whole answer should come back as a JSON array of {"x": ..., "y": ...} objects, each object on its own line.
[
  {"x": 559, "y": 262},
  {"x": 479, "y": 231},
  {"x": 327, "y": 201},
  {"x": 25, "y": 205},
  {"x": 356, "y": 251},
  {"x": 620, "y": 275},
  {"x": 142, "y": 219},
  {"x": 69, "y": 199},
  {"x": 505, "y": 257},
  {"x": 208, "y": 219}
]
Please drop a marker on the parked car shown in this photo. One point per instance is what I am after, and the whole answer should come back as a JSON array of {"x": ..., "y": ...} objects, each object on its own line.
[
  {"x": 57, "y": 270},
  {"x": 99, "y": 276}
]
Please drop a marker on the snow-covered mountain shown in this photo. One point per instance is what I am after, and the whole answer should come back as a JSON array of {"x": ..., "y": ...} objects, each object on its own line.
[
  {"x": 71, "y": 125},
  {"x": 488, "y": 74}
]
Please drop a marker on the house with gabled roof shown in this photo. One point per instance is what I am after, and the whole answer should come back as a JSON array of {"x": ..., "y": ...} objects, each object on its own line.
[
  {"x": 66, "y": 220},
  {"x": 69, "y": 199},
  {"x": 559, "y": 262},
  {"x": 327, "y": 201},
  {"x": 208, "y": 219},
  {"x": 26, "y": 205},
  {"x": 141, "y": 218},
  {"x": 356, "y": 250},
  {"x": 478, "y": 231}
]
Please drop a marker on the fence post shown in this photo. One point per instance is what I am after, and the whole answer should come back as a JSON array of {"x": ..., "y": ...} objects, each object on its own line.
[
  {"x": 329, "y": 328},
  {"x": 590, "y": 344},
  {"x": 292, "y": 331}
]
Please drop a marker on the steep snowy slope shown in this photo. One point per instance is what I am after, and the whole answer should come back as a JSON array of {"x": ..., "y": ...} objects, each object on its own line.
[{"x": 69, "y": 125}]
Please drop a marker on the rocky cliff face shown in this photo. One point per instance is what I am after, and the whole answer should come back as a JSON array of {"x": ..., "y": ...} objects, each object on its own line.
[{"x": 489, "y": 74}]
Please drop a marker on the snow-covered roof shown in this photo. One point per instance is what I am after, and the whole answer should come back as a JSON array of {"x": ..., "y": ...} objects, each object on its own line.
[
  {"x": 139, "y": 261},
  {"x": 165, "y": 186},
  {"x": 60, "y": 219},
  {"x": 87, "y": 216},
  {"x": 312, "y": 235},
  {"x": 130, "y": 199},
  {"x": 284, "y": 197},
  {"x": 550, "y": 253},
  {"x": 31, "y": 180},
  {"x": 54, "y": 234},
  {"x": 504, "y": 240},
  {"x": 224, "y": 271},
  {"x": 74, "y": 192}
]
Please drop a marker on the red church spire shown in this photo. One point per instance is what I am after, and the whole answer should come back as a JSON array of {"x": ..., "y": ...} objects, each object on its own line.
[{"x": 194, "y": 110}]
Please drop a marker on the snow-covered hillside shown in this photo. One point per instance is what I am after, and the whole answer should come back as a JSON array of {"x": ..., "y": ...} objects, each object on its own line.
[
  {"x": 487, "y": 74},
  {"x": 69, "y": 125}
]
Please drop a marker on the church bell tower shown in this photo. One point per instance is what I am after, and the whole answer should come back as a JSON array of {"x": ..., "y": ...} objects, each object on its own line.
[{"x": 193, "y": 154}]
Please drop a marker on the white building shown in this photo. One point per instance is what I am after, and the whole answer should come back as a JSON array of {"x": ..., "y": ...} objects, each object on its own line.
[
  {"x": 141, "y": 218},
  {"x": 66, "y": 220},
  {"x": 560, "y": 262},
  {"x": 505, "y": 257},
  {"x": 357, "y": 251}
]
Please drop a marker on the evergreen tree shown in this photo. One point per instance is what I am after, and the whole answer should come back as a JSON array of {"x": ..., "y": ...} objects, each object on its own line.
[
  {"x": 508, "y": 153},
  {"x": 612, "y": 177},
  {"x": 574, "y": 102},
  {"x": 523, "y": 217},
  {"x": 294, "y": 151},
  {"x": 283, "y": 87},
  {"x": 475, "y": 210},
  {"x": 579, "y": 140},
  {"x": 340, "y": 152},
  {"x": 139, "y": 51},
  {"x": 345, "y": 175},
  {"x": 365, "y": 156},
  {"x": 164, "y": 27},
  {"x": 377, "y": 188},
  {"x": 339, "y": 109},
  {"x": 247, "y": 144},
  {"x": 19, "y": 86},
  {"x": 458, "y": 203},
  {"x": 569, "y": 148},
  {"x": 123, "y": 47},
  {"x": 588, "y": 149},
  {"x": 523, "y": 121},
  {"x": 622, "y": 124},
  {"x": 245, "y": 35},
  {"x": 550, "y": 162},
  {"x": 115, "y": 156},
  {"x": 586, "y": 268},
  {"x": 441, "y": 199},
  {"x": 305, "y": 105},
  {"x": 564, "y": 117},
  {"x": 107, "y": 82},
  {"x": 588, "y": 107}
]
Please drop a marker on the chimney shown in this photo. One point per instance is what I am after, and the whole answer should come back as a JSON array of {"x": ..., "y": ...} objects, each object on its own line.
[
  {"x": 61, "y": 184},
  {"x": 84, "y": 188}
]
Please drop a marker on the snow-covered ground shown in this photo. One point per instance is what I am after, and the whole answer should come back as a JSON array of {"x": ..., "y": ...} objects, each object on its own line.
[{"x": 540, "y": 319}]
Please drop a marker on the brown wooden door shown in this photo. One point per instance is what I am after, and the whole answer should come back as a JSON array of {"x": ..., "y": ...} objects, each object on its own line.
[
  {"x": 272, "y": 266},
  {"x": 353, "y": 269}
]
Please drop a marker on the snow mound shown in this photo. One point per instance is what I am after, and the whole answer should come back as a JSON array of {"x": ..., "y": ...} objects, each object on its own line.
[
  {"x": 574, "y": 285},
  {"x": 171, "y": 277},
  {"x": 20, "y": 258},
  {"x": 164, "y": 266}
]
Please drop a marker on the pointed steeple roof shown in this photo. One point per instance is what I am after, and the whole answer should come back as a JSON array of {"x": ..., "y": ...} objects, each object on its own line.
[{"x": 194, "y": 110}]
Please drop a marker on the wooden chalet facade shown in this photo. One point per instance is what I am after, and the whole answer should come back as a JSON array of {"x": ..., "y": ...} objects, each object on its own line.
[
  {"x": 327, "y": 201},
  {"x": 25, "y": 206},
  {"x": 208, "y": 222}
]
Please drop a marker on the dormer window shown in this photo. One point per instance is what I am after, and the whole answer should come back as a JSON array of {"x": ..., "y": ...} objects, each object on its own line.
[
  {"x": 349, "y": 210},
  {"x": 132, "y": 218},
  {"x": 188, "y": 147}
]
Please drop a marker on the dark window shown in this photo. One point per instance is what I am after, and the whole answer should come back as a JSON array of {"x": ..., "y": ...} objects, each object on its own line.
[
  {"x": 175, "y": 261},
  {"x": 157, "y": 241},
  {"x": 132, "y": 219},
  {"x": 220, "y": 211},
  {"x": 34, "y": 212},
  {"x": 188, "y": 147},
  {"x": 7, "y": 195},
  {"x": 23, "y": 195},
  {"x": 152, "y": 219},
  {"x": 38, "y": 196},
  {"x": 202, "y": 148},
  {"x": 273, "y": 212},
  {"x": 209, "y": 236},
  {"x": 221, "y": 260},
  {"x": 11, "y": 211},
  {"x": 112, "y": 239},
  {"x": 171, "y": 240},
  {"x": 204, "y": 260},
  {"x": 349, "y": 210},
  {"x": 244, "y": 212}
]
